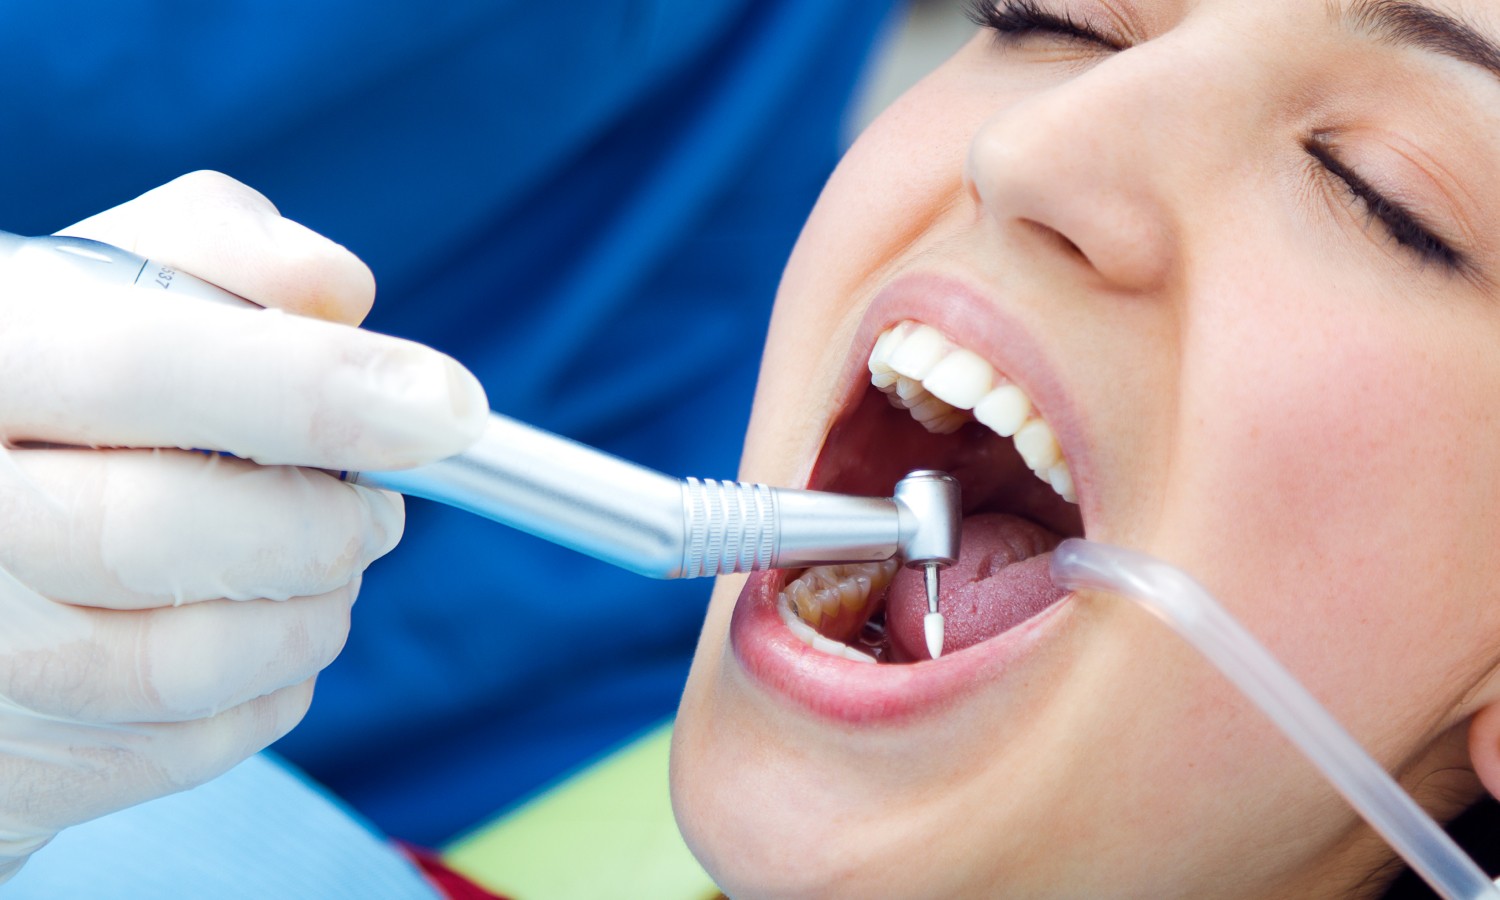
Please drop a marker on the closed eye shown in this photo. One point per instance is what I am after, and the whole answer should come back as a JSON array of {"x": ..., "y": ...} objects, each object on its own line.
[
  {"x": 1017, "y": 19},
  {"x": 1400, "y": 224}
]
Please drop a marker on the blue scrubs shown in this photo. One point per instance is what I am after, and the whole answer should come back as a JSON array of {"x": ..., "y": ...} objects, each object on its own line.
[{"x": 587, "y": 204}]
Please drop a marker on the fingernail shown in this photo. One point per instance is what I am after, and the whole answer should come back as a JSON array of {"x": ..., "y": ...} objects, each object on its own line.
[
  {"x": 440, "y": 406},
  {"x": 470, "y": 405},
  {"x": 388, "y": 518}
]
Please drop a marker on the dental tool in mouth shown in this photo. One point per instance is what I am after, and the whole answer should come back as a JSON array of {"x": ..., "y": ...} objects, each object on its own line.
[
  {"x": 933, "y": 495},
  {"x": 932, "y": 623},
  {"x": 934, "y": 401},
  {"x": 601, "y": 505},
  {"x": 663, "y": 527}
]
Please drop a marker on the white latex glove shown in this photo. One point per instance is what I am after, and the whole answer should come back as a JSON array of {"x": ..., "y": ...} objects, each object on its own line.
[{"x": 163, "y": 612}]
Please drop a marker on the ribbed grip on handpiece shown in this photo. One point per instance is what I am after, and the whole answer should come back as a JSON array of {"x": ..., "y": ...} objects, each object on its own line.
[{"x": 731, "y": 527}]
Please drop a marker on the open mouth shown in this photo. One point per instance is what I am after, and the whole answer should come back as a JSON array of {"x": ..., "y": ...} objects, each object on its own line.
[{"x": 932, "y": 403}]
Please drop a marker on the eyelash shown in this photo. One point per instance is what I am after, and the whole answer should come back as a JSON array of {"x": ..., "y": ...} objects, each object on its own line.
[
  {"x": 1014, "y": 20},
  {"x": 1403, "y": 227}
]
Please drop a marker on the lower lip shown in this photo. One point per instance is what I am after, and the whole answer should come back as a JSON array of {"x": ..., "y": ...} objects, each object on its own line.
[{"x": 857, "y": 693}]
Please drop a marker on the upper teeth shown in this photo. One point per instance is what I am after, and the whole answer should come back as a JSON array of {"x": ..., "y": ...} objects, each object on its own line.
[{"x": 944, "y": 386}]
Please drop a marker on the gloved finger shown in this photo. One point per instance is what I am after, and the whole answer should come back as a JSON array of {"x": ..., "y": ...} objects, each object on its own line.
[
  {"x": 226, "y": 233},
  {"x": 111, "y": 366},
  {"x": 168, "y": 665},
  {"x": 102, "y": 769},
  {"x": 191, "y": 753},
  {"x": 133, "y": 529}
]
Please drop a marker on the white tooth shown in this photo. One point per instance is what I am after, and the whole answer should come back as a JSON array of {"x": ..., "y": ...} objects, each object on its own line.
[
  {"x": 857, "y": 655},
  {"x": 895, "y": 335},
  {"x": 911, "y": 389},
  {"x": 1003, "y": 410},
  {"x": 880, "y": 354},
  {"x": 802, "y": 630},
  {"x": 1061, "y": 478},
  {"x": 960, "y": 379},
  {"x": 947, "y": 424},
  {"x": 930, "y": 409},
  {"x": 918, "y": 352},
  {"x": 886, "y": 380},
  {"x": 1037, "y": 445},
  {"x": 829, "y": 645}
]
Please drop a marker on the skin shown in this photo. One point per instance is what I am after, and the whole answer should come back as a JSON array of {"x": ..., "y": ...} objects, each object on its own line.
[{"x": 1256, "y": 383}]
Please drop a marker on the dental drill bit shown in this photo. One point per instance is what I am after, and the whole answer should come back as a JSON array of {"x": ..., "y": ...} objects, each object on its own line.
[{"x": 932, "y": 623}]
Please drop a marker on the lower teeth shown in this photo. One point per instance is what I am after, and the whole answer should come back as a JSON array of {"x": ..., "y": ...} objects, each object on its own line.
[{"x": 836, "y": 595}]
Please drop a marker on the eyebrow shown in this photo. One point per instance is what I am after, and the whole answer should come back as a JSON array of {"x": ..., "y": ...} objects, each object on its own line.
[{"x": 1410, "y": 24}]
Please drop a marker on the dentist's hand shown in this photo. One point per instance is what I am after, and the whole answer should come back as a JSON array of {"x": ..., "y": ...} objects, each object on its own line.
[{"x": 163, "y": 612}]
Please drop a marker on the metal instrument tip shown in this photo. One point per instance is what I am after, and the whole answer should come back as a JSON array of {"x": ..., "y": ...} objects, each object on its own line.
[{"x": 932, "y": 623}]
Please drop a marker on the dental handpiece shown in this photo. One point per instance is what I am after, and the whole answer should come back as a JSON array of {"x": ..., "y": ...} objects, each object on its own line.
[{"x": 604, "y": 506}]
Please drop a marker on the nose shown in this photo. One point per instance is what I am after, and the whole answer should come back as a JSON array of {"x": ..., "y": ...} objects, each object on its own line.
[{"x": 1084, "y": 170}]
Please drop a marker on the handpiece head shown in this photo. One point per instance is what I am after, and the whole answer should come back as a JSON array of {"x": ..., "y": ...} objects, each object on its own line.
[{"x": 931, "y": 526}]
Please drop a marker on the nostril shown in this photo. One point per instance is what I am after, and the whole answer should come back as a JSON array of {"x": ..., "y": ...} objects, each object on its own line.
[{"x": 1063, "y": 242}]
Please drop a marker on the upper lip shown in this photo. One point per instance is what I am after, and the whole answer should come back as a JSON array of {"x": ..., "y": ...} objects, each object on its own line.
[{"x": 858, "y": 692}]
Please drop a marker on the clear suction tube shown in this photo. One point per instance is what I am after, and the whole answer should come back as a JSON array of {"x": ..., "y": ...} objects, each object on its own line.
[{"x": 1193, "y": 613}]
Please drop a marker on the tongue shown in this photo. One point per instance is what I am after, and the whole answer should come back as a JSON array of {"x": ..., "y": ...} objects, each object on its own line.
[{"x": 1000, "y": 580}]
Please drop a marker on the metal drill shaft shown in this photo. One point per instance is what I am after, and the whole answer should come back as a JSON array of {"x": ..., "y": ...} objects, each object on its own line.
[
  {"x": 931, "y": 572},
  {"x": 663, "y": 527}
]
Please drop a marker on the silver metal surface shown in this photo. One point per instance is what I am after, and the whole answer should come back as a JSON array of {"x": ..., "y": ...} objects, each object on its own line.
[
  {"x": 815, "y": 527},
  {"x": 559, "y": 490},
  {"x": 662, "y": 527},
  {"x": 930, "y": 575},
  {"x": 936, "y": 509},
  {"x": 933, "y": 502}
]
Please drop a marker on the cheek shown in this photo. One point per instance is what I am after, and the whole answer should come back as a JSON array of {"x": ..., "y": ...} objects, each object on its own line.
[
  {"x": 1336, "y": 482},
  {"x": 899, "y": 186},
  {"x": 902, "y": 173}
]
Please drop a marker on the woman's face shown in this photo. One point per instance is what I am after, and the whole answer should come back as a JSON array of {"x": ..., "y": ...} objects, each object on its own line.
[{"x": 1240, "y": 258}]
